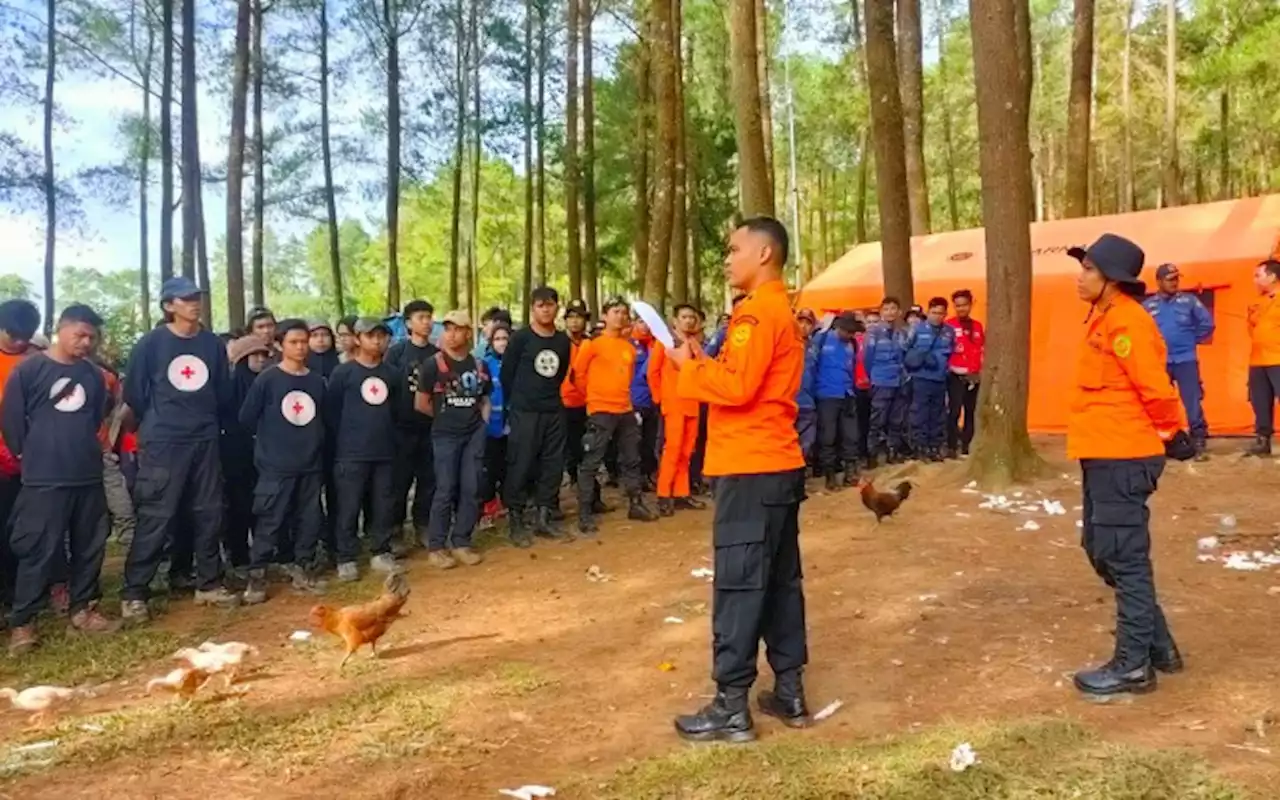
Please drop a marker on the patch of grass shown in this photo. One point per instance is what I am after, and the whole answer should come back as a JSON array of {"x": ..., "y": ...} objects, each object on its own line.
[
  {"x": 518, "y": 679},
  {"x": 68, "y": 658},
  {"x": 1025, "y": 761}
]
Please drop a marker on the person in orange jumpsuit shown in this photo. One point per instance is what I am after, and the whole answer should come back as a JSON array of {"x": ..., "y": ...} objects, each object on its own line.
[
  {"x": 576, "y": 319},
  {"x": 1264, "y": 355},
  {"x": 1125, "y": 418},
  {"x": 679, "y": 420},
  {"x": 753, "y": 452},
  {"x": 602, "y": 370}
]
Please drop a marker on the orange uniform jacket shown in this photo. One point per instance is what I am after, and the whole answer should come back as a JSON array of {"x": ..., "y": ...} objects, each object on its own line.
[
  {"x": 663, "y": 380},
  {"x": 750, "y": 388},
  {"x": 602, "y": 368},
  {"x": 1124, "y": 405},
  {"x": 570, "y": 394},
  {"x": 1264, "y": 332}
]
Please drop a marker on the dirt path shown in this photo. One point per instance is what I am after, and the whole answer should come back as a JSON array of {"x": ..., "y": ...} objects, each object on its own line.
[{"x": 929, "y": 617}]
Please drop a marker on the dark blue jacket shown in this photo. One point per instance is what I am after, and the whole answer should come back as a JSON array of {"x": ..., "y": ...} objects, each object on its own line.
[
  {"x": 885, "y": 347},
  {"x": 934, "y": 346},
  {"x": 1183, "y": 321},
  {"x": 497, "y": 427},
  {"x": 641, "y": 397},
  {"x": 805, "y": 397},
  {"x": 834, "y": 368}
]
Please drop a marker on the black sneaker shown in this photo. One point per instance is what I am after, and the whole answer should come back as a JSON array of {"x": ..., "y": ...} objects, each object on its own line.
[
  {"x": 545, "y": 525},
  {"x": 688, "y": 504},
  {"x": 1110, "y": 679},
  {"x": 666, "y": 508},
  {"x": 587, "y": 526},
  {"x": 833, "y": 483},
  {"x": 516, "y": 530},
  {"x": 850, "y": 473},
  {"x": 727, "y": 718},
  {"x": 598, "y": 506},
  {"x": 640, "y": 512},
  {"x": 1261, "y": 448},
  {"x": 255, "y": 591}
]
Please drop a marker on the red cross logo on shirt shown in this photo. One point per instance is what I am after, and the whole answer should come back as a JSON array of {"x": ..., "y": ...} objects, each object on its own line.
[
  {"x": 187, "y": 372},
  {"x": 298, "y": 408},
  {"x": 373, "y": 390}
]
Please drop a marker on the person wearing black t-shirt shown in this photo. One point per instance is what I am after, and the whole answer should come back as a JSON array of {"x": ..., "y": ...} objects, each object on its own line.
[
  {"x": 358, "y": 413},
  {"x": 533, "y": 369},
  {"x": 413, "y": 430},
  {"x": 178, "y": 385},
  {"x": 454, "y": 389},
  {"x": 282, "y": 410},
  {"x": 53, "y": 405}
]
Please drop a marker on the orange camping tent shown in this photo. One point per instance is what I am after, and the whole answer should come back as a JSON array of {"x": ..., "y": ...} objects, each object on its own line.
[{"x": 1215, "y": 245}]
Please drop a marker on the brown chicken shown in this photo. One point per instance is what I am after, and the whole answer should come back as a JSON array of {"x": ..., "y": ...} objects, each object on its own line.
[
  {"x": 183, "y": 682},
  {"x": 364, "y": 624},
  {"x": 883, "y": 504}
]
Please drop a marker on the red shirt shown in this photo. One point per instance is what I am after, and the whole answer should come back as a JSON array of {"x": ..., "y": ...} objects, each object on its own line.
[
  {"x": 860, "y": 377},
  {"x": 971, "y": 341}
]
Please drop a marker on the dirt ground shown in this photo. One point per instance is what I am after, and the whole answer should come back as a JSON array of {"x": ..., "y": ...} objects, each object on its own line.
[{"x": 525, "y": 670}]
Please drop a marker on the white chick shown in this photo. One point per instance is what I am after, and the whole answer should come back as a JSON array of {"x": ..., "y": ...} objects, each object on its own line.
[
  {"x": 231, "y": 649},
  {"x": 226, "y": 664},
  {"x": 38, "y": 699},
  {"x": 182, "y": 681}
]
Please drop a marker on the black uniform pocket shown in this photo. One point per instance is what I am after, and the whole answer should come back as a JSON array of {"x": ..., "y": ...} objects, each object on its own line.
[
  {"x": 265, "y": 496},
  {"x": 740, "y": 555},
  {"x": 150, "y": 485}
]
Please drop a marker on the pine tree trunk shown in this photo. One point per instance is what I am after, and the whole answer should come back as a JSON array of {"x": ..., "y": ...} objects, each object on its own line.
[
  {"x": 692, "y": 216},
  {"x": 1224, "y": 144},
  {"x": 911, "y": 81},
  {"x": 948, "y": 140},
  {"x": 572, "y": 176},
  {"x": 824, "y": 244},
  {"x": 1127, "y": 198},
  {"x": 1079, "y": 107},
  {"x": 190, "y": 138},
  {"x": 50, "y": 186},
  {"x": 640, "y": 243},
  {"x": 459, "y": 138},
  {"x": 473, "y": 269},
  {"x": 1002, "y": 452},
  {"x": 202, "y": 249},
  {"x": 258, "y": 279},
  {"x": 679, "y": 217},
  {"x": 590, "y": 259},
  {"x": 526, "y": 275},
  {"x": 891, "y": 167},
  {"x": 1172, "y": 179},
  {"x": 330, "y": 197},
  {"x": 390, "y": 24},
  {"x": 235, "y": 167},
  {"x": 753, "y": 169},
  {"x": 664, "y": 153},
  {"x": 166, "y": 141},
  {"x": 144, "y": 179},
  {"x": 766, "y": 101},
  {"x": 543, "y": 45},
  {"x": 864, "y": 144}
]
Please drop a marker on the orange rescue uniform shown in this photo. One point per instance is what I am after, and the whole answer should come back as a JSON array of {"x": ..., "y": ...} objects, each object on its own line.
[
  {"x": 602, "y": 369},
  {"x": 1264, "y": 332},
  {"x": 750, "y": 388},
  {"x": 570, "y": 394},
  {"x": 679, "y": 425},
  {"x": 1124, "y": 405}
]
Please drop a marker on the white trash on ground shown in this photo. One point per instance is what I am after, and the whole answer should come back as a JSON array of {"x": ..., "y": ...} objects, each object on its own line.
[
  {"x": 1029, "y": 525},
  {"x": 1207, "y": 543},
  {"x": 529, "y": 792},
  {"x": 300, "y": 636},
  {"x": 828, "y": 710},
  {"x": 673, "y": 621},
  {"x": 1251, "y": 562},
  {"x": 702, "y": 572},
  {"x": 963, "y": 757}
]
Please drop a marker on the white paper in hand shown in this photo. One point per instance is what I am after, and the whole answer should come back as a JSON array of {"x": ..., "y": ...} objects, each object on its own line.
[{"x": 650, "y": 316}]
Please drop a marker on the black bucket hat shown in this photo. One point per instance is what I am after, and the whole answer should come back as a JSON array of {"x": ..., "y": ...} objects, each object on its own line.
[{"x": 1117, "y": 258}]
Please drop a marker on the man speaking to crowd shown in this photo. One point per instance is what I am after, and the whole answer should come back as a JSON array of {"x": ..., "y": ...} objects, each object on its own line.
[{"x": 753, "y": 453}]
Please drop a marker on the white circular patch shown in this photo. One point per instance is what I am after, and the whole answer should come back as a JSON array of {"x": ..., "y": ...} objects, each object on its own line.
[
  {"x": 298, "y": 408},
  {"x": 374, "y": 391},
  {"x": 546, "y": 363},
  {"x": 72, "y": 401},
  {"x": 188, "y": 374}
]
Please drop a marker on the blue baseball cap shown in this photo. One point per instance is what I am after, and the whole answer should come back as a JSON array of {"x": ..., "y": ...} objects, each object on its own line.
[{"x": 179, "y": 288}]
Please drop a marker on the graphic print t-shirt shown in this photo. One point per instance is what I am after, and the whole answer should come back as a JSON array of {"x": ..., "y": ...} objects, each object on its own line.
[
  {"x": 457, "y": 393},
  {"x": 50, "y": 418}
]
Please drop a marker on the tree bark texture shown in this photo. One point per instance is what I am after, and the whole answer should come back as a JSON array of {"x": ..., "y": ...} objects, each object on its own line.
[
  {"x": 190, "y": 140},
  {"x": 144, "y": 181},
  {"x": 473, "y": 254},
  {"x": 459, "y": 139},
  {"x": 766, "y": 95},
  {"x": 258, "y": 277},
  {"x": 1172, "y": 180},
  {"x": 330, "y": 197},
  {"x": 1079, "y": 107},
  {"x": 50, "y": 186},
  {"x": 679, "y": 216},
  {"x": 235, "y": 167},
  {"x": 911, "y": 82},
  {"x": 166, "y": 140},
  {"x": 692, "y": 216},
  {"x": 543, "y": 45},
  {"x": 590, "y": 258},
  {"x": 753, "y": 170},
  {"x": 526, "y": 275},
  {"x": 640, "y": 243},
  {"x": 1224, "y": 144},
  {"x": 1002, "y": 451},
  {"x": 572, "y": 176},
  {"x": 891, "y": 167},
  {"x": 1127, "y": 198},
  {"x": 664, "y": 153},
  {"x": 391, "y": 26}
]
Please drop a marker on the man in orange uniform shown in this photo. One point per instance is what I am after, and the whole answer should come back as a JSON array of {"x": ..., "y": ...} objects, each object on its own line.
[
  {"x": 1264, "y": 355},
  {"x": 679, "y": 421},
  {"x": 1126, "y": 417},
  {"x": 19, "y": 320},
  {"x": 576, "y": 317},
  {"x": 602, "y": 369},
  {"x": 753, "y": 452}
]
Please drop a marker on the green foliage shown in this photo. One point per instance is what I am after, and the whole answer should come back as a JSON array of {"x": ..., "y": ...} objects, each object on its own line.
[
  {"x": 115, "y": 296},
  {"x": 15, "y": 287}
]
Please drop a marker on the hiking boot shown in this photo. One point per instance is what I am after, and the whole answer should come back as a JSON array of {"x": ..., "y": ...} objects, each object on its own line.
[
  {"x": 90, "y": 620},
  {"x": 220, "y": 597},
  {"x": 441, "y": 560},
  {"x": 850, "y": 473},
  {"x": 587, "y": 526},
  {"x": 467, "y": 556},
  {"x": 727, "y": 718},
  {"x": 546, "y": 525},
  {"x": 60, "y": 599},
  {"x": 1166, "y": 659},
  {"x": 1110, "y": 679},
  {"x": 305, "y": 580},
  {"x": 181, "y": 583},
  {"x": 833, "y": 483},
  {"x": 1261, "y": 448},
  {"x": 134, "y": 611},
  {"x": 516, "y": 531},
  {"x": 598, "y": 507},
  {"x": 23, "y": 639},
  {"x": 348, "y": 572},
  {"x": 666, "y": 508},
  {"x": 791, "y": 709},
  {"x": 640, "y": 512},
  {"x": 688, "y": 504},
  {"x": 255, "y": 590},
  {"x": 386, "y": 564}
]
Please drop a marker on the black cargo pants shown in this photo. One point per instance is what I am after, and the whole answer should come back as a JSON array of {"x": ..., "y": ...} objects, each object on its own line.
[{"x": 758, "y": 589}]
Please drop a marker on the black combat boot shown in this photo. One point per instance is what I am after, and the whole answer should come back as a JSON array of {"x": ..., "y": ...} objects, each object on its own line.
[
  {"x": 1117, "y": 677},
  {"x": 851, "y": 472},
  {"x": 545, "y": 525},
  {"x": 665, "y": 507},
  {"x": 1166, "y": 659},
  {"x": 1261, "y": 447},
  {"x": 517, "y": 532},
  {"x": 833, "y": 482},
  {"x": 688, "y": 504},
  {"x": 598, "y": 506},
  {"x": 587, "y": 527},
  {"x": 935, "y": 455},
  {"x": 640, "y": 512},
  {"x": 1202, "y": 448},
  {"x": 786, "y": 701},
  {"x": 953, "y": 453},
  {"x": 727, "y": 718}
]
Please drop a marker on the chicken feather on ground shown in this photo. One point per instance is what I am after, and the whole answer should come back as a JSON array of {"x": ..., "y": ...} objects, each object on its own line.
[
  {"x": 883, "y": 504},
  {"x": 366, "y": 623}
]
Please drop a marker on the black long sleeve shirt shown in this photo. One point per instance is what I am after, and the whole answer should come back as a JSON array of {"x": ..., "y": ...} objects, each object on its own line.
[
  {"x": 178, "y": 387},
  {"x": 405, "y": 358},
  {"x": 358, "y": 412},
  {"x": 282, "y": 411},
  {"x": 533, "y": 367},
  {"x": 50, "y": 419}
]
